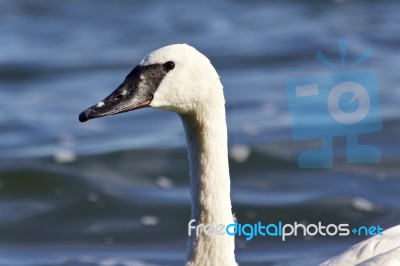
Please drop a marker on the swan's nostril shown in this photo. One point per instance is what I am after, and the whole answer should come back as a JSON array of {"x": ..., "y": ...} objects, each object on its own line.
[{"x": 118, "y": 97}]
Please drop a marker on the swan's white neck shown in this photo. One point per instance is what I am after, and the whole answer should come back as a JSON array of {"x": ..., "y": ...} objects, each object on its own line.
[{"x": 206, "y": 136}]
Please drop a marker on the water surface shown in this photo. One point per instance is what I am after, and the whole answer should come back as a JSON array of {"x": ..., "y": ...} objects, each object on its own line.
[{"x": 114, "y": 191}]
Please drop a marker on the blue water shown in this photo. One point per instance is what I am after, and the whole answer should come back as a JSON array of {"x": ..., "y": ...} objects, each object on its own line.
[{"x": 114, "y": 191}]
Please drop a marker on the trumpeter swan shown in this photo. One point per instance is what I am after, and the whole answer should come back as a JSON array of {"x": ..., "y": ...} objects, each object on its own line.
[{"x": 179, "y": 78}]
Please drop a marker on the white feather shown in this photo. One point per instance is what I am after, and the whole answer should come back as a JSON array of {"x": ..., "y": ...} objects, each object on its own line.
[{"x": 377, "y": 250}]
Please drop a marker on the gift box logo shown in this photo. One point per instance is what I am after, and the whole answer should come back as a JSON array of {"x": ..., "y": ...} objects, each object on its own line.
[{"x": 344, "y": 103}]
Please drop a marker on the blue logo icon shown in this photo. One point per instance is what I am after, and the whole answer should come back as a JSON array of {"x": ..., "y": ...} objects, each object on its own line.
[{"x": 344, "y": 103}]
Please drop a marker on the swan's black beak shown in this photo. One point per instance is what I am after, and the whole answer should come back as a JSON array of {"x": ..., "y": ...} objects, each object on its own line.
[{"x": 135, "y": 92}]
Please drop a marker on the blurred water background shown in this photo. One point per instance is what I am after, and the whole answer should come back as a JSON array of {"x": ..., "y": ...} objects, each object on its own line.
[{"x": 114, "y": 191}]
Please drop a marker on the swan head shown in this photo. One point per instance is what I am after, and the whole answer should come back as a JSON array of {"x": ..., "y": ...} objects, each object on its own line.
[{"x": 175, "y": 78}]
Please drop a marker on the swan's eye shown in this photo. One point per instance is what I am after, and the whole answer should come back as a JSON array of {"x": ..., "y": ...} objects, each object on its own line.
[{"x": 169, "y": 65}]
